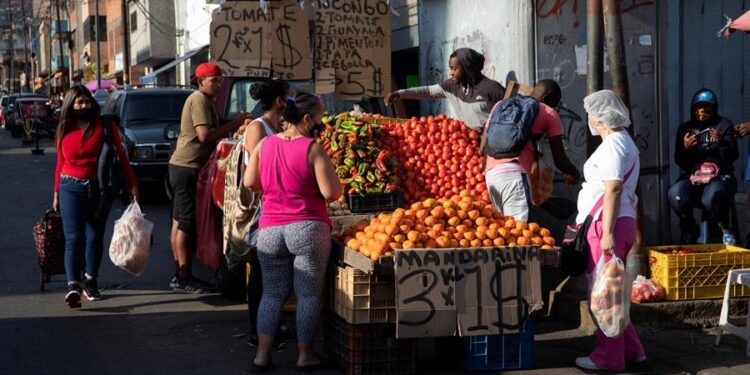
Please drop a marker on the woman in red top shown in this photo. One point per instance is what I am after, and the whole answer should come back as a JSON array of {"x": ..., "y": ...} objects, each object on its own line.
[{"x": 78, "y": 198}]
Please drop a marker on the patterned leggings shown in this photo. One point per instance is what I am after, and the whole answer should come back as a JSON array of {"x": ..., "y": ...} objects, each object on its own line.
[{"x": 293, "y": 255}]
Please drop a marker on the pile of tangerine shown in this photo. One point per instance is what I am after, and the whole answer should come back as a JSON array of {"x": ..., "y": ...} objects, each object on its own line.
[{"x": 461, "y": 221}]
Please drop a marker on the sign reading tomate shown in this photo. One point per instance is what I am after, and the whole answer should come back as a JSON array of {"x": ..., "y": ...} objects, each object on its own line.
[
  {"x": 249, "y": 41},
  {"x": 482, "y": 291},
  {"x": 353, "y": 44}
]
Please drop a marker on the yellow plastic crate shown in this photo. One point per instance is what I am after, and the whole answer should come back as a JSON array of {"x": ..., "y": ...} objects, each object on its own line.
[{"x": 700, "y": 275}]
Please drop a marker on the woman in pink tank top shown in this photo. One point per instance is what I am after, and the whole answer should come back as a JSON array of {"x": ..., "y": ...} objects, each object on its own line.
[{"x": 296, "y": 178}]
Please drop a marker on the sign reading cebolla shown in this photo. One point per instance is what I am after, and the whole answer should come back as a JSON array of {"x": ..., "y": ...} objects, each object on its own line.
[{"x": 353, "y": 47}]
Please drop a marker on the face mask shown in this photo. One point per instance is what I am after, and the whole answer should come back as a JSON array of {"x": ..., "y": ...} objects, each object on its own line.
[
  {"x": 592, "y": 129},
  {"x": 703, "y": 114},
  {"x": 82, "y": 114}
]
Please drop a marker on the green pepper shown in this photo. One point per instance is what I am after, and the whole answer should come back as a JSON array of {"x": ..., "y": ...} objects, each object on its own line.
[
  {"x": 349, "y": 162},
  {"x": 371, "y": 177},
  {"x": 362, "y": 154},
  {"x": 362, "y": 168},
  {"x": 363, "y": 130},
  {"x": 334, "y": 145},
  {"x": 359, "y": 179}
]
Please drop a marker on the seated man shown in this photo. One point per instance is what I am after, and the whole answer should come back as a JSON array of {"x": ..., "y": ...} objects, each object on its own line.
[{"x": 705, "y": 150}]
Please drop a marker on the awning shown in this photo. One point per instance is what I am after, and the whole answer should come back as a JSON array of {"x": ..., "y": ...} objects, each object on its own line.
[{"x": 151, "y": 78}]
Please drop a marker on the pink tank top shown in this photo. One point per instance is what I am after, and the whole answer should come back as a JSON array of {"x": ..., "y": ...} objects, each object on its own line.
[{"x": 290, "y": 191}]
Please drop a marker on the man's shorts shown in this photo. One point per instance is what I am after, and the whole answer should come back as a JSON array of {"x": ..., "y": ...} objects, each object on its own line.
[
  {"x": 511, "y": 194},
  {"x": 184, "y": 183}
]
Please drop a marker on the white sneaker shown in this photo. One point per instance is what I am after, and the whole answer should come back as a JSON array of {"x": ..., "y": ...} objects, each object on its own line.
[{"x": 586, "y": 363}]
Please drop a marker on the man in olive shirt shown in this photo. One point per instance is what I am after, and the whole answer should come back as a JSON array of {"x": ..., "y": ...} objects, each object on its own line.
[{"x": 200, "y": 129}]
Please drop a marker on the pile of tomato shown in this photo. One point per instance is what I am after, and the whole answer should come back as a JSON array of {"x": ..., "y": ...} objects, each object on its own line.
[{"x": 438, "y": 157}]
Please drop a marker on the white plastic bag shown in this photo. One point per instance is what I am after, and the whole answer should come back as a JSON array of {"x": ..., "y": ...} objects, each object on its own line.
[
  {"x": 646, "y": 290},
  {"x": 610, "y": 297},
  {"x": 131, "y": 240}
]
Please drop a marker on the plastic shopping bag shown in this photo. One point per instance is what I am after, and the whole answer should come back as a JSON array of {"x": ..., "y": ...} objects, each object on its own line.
[
  {"x": 131, "y": 242},
  {"x": 208, "y": 219},
  {"x": 647, "y": 290},
  {"x": 610, "y": 296}
]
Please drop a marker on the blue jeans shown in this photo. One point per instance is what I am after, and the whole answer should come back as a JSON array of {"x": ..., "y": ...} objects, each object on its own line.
[
  {"x": 84, "y": 221},
  {"x": 713, "y": 198}
]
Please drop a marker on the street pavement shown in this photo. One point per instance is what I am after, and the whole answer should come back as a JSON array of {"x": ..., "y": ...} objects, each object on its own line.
[{"x": 143, "y": 328}]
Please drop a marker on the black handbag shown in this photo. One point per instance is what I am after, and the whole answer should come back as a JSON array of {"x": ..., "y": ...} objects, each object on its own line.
[{"x": 574, "y": 251}]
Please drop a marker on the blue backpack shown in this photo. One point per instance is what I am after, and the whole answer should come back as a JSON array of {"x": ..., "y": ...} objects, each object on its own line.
[{"x": 509, "y": 127}]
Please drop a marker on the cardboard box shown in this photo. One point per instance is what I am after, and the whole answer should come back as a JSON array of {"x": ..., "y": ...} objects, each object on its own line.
[{"x": 480, "y": 291}]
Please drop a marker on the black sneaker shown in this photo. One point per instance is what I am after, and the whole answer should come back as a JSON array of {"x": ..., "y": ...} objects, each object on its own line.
[
  {"x": 73, "y": 298},
  {"x": 173, "y": 283},
  {"x": 91, "y": 289},
  {"x": 188, "y": 286},
  {"x": 204, "y": 285}
]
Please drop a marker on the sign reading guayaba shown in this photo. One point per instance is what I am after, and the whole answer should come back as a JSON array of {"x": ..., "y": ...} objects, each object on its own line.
[{"x": 483, "y": 291}]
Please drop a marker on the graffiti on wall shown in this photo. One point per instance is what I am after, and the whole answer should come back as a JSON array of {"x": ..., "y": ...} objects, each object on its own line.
[{"x": 547, "y": 8}]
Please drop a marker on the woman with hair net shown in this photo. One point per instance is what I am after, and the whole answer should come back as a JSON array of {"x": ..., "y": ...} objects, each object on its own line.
[
  {"x": 470, "y": 92},
  {"x": 608, "y": 194}
]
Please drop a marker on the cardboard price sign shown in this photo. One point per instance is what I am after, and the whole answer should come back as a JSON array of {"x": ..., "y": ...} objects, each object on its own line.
[
  {"x": 246, "y": 41},
  {"x": 353, "y": 38},
  {"x": 473, "y": 292}
]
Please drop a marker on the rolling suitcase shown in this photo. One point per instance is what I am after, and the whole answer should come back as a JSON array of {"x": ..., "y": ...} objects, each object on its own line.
[{"x": 50, "y": 246}]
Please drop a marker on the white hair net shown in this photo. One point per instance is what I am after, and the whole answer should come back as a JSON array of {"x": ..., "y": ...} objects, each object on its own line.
[{"x": 606, "y": 106}]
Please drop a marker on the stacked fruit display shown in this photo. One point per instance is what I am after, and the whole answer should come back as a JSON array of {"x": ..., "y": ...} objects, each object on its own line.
[
  {"x": 460, "y": 221},
  {"x": 437, "y": 157},
  {"x": 361, "y": 161}
]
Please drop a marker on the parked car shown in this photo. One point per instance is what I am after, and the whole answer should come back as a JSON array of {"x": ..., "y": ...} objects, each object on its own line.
[
  {"x": 10, "y": 120},
  {"x": 101, "y": 97},
  {"x": 37, "y": 110},
  {"x": 3, "y": 104},
  {"x": 143, "y": 114}
]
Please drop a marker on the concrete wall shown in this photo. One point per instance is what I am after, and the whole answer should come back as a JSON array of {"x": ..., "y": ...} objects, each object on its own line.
[
  {"x": 153, "y": 43},
  {"x": 501, "y": 30}
]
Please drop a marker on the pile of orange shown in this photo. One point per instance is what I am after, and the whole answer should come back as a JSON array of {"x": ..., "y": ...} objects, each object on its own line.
[{"x": 461, "y": 221}]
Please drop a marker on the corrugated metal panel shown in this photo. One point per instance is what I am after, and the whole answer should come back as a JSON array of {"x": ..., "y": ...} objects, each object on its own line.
[{"x": 561, "y": 55}]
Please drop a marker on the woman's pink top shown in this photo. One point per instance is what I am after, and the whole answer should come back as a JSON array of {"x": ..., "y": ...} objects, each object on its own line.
[{"x": 290, "y": 191}]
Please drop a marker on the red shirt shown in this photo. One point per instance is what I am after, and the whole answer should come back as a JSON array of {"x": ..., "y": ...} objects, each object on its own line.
[{"x": 78, "y": 157}]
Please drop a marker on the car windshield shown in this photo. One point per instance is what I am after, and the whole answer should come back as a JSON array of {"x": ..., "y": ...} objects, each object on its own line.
[{"x": 154, "y": 107}]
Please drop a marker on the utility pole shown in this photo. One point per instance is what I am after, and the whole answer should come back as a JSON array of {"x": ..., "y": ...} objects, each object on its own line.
[
  {"x": 26, "y": 37},
  {"x": 12, "y": 80},
  {"x": 60, "y": 43},
  {"x": 595, "y": 68},
  {"x": 98, "y": 52},
  {"x": 126, "y": 43}
]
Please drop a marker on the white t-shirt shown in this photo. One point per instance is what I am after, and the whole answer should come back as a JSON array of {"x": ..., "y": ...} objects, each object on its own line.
[{"x": 611, "y": 161}]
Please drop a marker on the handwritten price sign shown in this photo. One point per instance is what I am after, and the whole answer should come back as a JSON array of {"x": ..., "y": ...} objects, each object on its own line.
[
  {"x": 353, "y": 39},
  {"x": 246, "y": 41},
  {"x": 475, "y": 291}
]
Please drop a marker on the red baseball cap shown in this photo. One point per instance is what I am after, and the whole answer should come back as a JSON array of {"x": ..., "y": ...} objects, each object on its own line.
[{"x": 207, "y": 70}]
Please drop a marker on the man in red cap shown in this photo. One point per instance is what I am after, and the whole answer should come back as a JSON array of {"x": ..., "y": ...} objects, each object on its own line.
[{"x": 201, "y": 127}]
